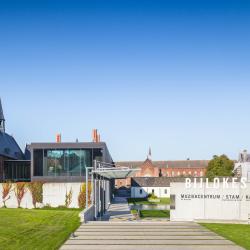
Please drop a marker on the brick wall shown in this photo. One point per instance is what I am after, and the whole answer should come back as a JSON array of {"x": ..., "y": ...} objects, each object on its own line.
[{"x": 147, "y": 169}]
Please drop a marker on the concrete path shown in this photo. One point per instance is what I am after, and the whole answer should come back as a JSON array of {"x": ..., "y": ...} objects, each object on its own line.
[
  {"x": 146, "y": 236},
  {"x": 118, "y": 211}
]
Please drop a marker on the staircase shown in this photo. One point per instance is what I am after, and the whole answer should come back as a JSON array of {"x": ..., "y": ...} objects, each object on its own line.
[{"x": 146, "y": 236}]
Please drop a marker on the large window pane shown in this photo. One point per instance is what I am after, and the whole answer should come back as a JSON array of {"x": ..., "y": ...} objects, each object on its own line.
[
  {"x": 59, "y": 163},
  {"x": 55, "y": 163},
  {"x": 38, "y": 162},
  {"x": 86, "y": 160},
  {"x": 74, "y": 160}
]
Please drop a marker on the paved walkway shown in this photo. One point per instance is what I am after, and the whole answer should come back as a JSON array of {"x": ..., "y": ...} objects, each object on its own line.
[
  {"x": 146, "y": 236},
  {"x": 118, "y": 211}
]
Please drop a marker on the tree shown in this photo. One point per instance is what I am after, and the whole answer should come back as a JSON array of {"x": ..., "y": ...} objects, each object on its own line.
[
  {"x": 82, "y": 195},
  {"x": 20, "y": 190},
  {"x": 219, "y": 166},
  {"x": 36, "y": 190},
  {"x": 6, "y": 191}
]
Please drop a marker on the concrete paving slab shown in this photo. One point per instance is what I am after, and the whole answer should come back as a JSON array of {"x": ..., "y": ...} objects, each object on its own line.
[
  {"x": 139, "y": 222},
  {"x": 146, "y": 233},
  {"x": 161, "y": 247},
  {"x": 143, "y": 230},
  {"x": 119, "y": 242},
  {"x": 141, "y": 226},
  {"x": 145, "y": 237}
]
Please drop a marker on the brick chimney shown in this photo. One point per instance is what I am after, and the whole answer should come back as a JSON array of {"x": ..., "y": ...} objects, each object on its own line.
[
  {"x": 58, "y": 138},
  {"x": 94, "y": 132},
  {"x": 95, "y": 136}
]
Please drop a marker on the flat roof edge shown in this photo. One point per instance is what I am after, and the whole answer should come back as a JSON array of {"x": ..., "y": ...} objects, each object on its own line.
[{"x": 67, "y": 144}]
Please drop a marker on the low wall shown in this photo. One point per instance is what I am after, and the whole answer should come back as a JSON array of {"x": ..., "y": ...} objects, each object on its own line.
[
  {"x": 53, "y": 195},
  {"x": 87, "y": 214}
]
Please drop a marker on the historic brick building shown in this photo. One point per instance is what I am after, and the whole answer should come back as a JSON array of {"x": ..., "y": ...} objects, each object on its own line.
[{"x": 149, "y": 168}]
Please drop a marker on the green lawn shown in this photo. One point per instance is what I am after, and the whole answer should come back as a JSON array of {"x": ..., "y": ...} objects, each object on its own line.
[
  {"x": 36, "y": 228},
  {"x": 138, "y": 201},
  {"x": 155, "y": 213},
  {"x": 238, "y": 233}
]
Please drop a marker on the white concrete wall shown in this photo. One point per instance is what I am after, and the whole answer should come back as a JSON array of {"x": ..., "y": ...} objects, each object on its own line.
[
  {"x": 222, "y": 208},
  {"x": 88, "y": 214},
  {"x": 53, "y": 195},
  {"x": 158, "y": 191}
]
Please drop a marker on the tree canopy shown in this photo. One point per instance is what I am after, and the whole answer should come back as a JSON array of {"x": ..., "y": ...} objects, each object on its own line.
[{"x": 220, "y": 166}]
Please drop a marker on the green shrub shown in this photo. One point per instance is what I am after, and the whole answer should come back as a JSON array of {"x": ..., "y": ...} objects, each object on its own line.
[{"x": 152, "y": 196}]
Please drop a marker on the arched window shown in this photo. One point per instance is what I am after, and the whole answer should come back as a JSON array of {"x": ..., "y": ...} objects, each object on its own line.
[{"x": 160, "y": 173}]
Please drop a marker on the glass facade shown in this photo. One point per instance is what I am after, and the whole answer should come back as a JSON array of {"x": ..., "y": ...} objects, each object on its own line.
[
  {"x": 17, "y": 170},
  {"x": 64, "y": 162}
]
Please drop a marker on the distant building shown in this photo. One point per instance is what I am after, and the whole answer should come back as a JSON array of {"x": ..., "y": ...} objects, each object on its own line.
[
  {"x": 13, "y": 164},
  {"x": 149, "y": 168},
  {"x": 242, "y": 166},
  {"x": 141, "y": 187}
]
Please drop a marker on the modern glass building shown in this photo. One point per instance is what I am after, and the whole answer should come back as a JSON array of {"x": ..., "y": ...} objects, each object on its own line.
[{"x": 65, "y": 161}]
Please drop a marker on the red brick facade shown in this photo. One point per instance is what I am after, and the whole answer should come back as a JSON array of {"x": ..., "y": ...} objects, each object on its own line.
[{"x": 150, "y": 168}]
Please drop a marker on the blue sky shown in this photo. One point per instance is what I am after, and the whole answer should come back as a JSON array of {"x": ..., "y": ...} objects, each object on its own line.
[{"x": 173, "y": 75}]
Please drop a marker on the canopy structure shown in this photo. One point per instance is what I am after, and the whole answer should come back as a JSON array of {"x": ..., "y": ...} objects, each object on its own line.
[
  {"x": 115, "y": 172},
  {"x": 102, "y": 176}
]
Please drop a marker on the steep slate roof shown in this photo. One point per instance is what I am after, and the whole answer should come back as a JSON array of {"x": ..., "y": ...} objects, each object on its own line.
[
  {"x": 167, "y": 164},
  {"x": 1, "y": 111},
  {"x": 9, "y": 148},
  {"x": 27, "y": 154}
]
